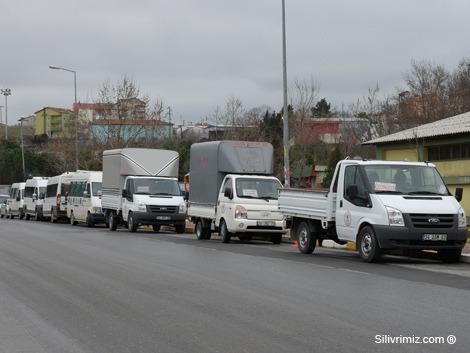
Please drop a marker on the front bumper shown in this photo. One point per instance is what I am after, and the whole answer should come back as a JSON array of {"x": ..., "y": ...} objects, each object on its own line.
[
  {"x": 410, "y": 238},
  {"x": 147, "y": 218},
  {"x": 252, "y": 226}
]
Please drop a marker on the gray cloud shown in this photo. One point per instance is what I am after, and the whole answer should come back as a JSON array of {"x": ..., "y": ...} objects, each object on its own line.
[{"x": 195, "y": 53}]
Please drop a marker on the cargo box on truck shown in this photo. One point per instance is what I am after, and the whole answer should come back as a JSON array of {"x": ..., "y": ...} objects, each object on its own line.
[
  {"x": 232, "y": 191},
  {"x": 140, "y": 187}
]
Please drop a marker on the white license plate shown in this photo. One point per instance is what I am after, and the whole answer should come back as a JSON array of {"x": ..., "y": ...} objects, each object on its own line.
[
  {"x": 163, "y": 218},
  {"x": 266, "y": 223},
  {"x": 434, "y": 237}
]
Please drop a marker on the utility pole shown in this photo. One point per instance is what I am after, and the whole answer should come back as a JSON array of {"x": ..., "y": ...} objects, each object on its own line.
[
  {"x": 6, "y": 92},
  {"x": 169, "y": 121},
  {"x": 22, "y": 145},
  {"x": 285, "y": 110},
  {"x": 1, "y": 118}
]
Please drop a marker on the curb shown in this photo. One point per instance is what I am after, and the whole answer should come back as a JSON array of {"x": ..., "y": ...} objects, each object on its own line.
[{"x": 465, "y": 258}]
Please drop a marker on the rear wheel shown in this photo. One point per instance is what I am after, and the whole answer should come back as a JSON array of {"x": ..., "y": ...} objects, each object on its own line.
[
  {"x": 89, "y": 220},
  {"x": 305, "y": 238},
  {"x": 112, "y": 221},
  {"x": 369, "y": 248},
  {"x": 180, "y": 228},
  {"x": 199, "y": 230},
  {"x": 450, "y": 255},
  {"x": 224, "y": 233},
  {"x": 131, "y": 224}
]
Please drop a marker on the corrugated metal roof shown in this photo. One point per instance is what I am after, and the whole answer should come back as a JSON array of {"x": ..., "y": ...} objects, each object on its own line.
[{"x": 450, "y": 126}]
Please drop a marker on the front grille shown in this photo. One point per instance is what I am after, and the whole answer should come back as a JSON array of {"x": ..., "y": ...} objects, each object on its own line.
[
  {"x": 432, "y": 220},
  {"x": 162, "y": 209}
]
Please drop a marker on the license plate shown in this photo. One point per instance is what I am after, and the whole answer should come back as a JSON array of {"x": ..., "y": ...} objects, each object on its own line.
[
  {"x": 163, "y": 218},
  {"x": 434, "y": 237},
  {"x": 266, "y": 223}
]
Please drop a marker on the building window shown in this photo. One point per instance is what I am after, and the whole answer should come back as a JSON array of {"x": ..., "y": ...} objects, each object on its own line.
[{"x": 449, "y": 152}]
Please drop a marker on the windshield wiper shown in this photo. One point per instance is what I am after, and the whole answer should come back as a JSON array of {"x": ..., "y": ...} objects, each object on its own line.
[
  {"x": 388, "y": 192},
  {"x": 141, "y": 193},
  {"x": 424, "y": 192}
]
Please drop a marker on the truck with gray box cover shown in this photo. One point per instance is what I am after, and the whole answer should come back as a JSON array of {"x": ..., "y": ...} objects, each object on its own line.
[
  {"x": 232, "y": 190},
  {"x": 140, "y": 187}
]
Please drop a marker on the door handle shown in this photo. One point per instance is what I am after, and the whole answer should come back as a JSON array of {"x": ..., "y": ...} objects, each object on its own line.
[{"x": 340, "y": 203}]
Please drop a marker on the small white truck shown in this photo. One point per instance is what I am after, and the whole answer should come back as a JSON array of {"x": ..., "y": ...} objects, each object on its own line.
[
  {"x": 380, "y": 206},
  {"x": 34, "y": 195},
  {"x": 232, "y": 191},
  {"x": 140, "y": 187}
]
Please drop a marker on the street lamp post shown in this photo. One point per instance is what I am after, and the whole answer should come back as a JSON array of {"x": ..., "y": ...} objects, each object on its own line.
[
  {"x": 75, "y": 100},
  {"x": 22, "y": 144},
  {"x": 6, "y": 92},
  {"x": 285, "y": 110}
]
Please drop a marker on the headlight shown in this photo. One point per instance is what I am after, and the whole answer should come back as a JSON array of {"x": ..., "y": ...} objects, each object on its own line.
[
  {"x": 240, "y": 212},
  {"x": 182, "y": 207},
  {"x": 141, "y": 207},
  {"x": 395, "y": 218},
  {"x": 462, "y": 218},
  {"x": 97, "y": 210}
]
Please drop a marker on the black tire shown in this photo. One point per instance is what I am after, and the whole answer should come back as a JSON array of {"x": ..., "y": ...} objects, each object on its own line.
[
  {"x": 90, "y": 222},
  {"x": 21, "y": 216},
  {"x": 306, "y": 240},
  {"x": 199, "y": 230},
  {"x": 224, "y": 233},
  {"x": 369, "y": 249},
  {"x": 180, "y": 228},
  {"x": 156, "y": 228},
  {"x": 27, "y": 217},
  {"x": 449, "y": 255},
  {"x": 131, "y": 224},
  {"x": 112, "y": 221},
  {"x": 276, "y": 239},
  {"x": 73, "y": 221}
]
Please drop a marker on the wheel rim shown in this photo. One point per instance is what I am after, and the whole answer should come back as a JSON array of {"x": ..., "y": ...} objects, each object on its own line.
[
  {"x": 223, "y": 230},
  {"x": 366, "y": 244},
  {"x": 130, "y": 222},
  {"x": 199, "y": 230},
  {"x": 72, "y": 220},
  {"x": 303, "y": 237},
  {"x": 111, "y": 221}
]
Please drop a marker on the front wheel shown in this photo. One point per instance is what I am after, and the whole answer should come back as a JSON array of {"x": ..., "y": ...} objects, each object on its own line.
[
  {"x": 131, "y": 224},
  {"x": 224, "y": 233},
  {"x": 306, "y": 240},
  {"x": 112, "y": 221},
  {"x": 450, "y": 255},
  {"x": 369, "y": 248},
  {"x": 89, "y": 220},
  {"x": 27, "y": 217}
]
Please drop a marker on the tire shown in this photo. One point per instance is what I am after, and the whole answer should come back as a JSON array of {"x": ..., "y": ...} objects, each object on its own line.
[
  {"x": 37, "y": 216},
  {"x": 90, "y": 221},
  {"x": 112, "y": 221},
  {"x": 224, "y": 233},
  {"x": 27, "y": 217},
  {"x": 21, "y": 216},
  {"x": 449, "y": 255},
  {"x": 72, "y": 219},
  {"x": 202, "y": 233},
  {"x": 156, "y": 228},
  {"x": 276, "y": 239},
  {"x": 131, "y": 225},
  {"x": 305, "y": 238},
  {"x": 180, "y": 228},
  {"x": 369, "y": 249}
]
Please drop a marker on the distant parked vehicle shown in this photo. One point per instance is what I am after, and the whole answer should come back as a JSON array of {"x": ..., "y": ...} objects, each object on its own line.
[
  {"x": 16, "y": 200},
  {"x": 3, "y": 205},
  {"x": 56, "y": 200},
  {"x": 34, "y": 194},
  {"x": 84, "y": 198}
]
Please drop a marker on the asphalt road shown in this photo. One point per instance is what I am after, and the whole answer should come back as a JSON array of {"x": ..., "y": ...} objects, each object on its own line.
[{"x": 72, "y": 289}]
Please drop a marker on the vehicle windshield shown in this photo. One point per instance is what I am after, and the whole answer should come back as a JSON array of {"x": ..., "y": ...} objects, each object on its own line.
[
  {"x": 96, "y": 187},
  {"x": 405, "y": 179},
  {"x": 255, "y": 188},
  {"x": 144, "y": 186},
  {"x": 3, "y": 198},
  {"x": 42, "y": 191}
]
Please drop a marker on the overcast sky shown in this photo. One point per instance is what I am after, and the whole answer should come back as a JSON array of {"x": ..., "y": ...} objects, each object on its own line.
[{"x": 195, "y": 53}]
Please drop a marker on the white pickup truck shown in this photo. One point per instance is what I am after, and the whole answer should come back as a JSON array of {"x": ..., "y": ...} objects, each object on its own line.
[{"x": 381, "y": 206}]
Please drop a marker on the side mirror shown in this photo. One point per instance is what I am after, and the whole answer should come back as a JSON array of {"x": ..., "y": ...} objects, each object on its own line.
[
  {"x": 35, "y": 197},
  {"x": 352, "y": 192},
  {"x": 459, "y": 194},
  {"x": 228, "y": 193},
  {"x": 85, "y": 194}
]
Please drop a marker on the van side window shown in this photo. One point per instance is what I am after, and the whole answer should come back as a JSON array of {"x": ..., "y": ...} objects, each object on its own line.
[{"x": 51, "y": 190}]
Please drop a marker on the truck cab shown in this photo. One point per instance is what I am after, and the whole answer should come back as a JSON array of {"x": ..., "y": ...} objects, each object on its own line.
[
  {"x": 381, "y": 206},
  {"x": 16, "y": 201},
  {"x": 34, "y": 195},
  {"x": 247, "y": 205}
]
